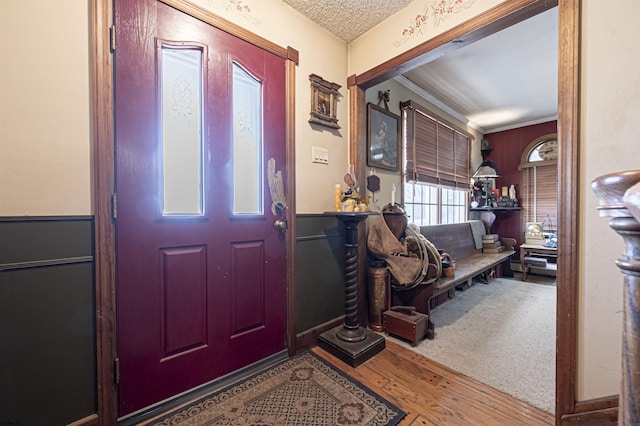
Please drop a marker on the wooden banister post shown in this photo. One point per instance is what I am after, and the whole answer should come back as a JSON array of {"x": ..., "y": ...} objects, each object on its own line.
[{"x": 619, "y": 196}]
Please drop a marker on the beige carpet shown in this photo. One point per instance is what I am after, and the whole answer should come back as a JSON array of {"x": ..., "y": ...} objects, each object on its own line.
[
  {"x": 303, "y": 391},
  {"x": 502, "y": 334}
]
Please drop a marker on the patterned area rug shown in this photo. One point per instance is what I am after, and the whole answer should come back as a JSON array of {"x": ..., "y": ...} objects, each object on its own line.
[{"x": 303, "y": 390}]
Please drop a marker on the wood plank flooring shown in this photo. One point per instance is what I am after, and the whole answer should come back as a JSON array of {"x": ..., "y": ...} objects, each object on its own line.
[{"x": 432, "y": 394}]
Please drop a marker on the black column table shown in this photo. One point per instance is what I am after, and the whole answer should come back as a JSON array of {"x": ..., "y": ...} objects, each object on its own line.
[{"x": 350, "y": 342}]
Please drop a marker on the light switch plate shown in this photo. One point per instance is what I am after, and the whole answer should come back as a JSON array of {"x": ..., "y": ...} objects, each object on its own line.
[{"x": 319, "y": 155}]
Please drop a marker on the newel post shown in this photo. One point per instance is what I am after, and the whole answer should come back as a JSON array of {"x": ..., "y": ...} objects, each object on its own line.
[{"x": 619, "y": 196}]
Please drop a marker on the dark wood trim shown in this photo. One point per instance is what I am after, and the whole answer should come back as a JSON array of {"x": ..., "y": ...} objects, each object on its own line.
[
  {"x": 594, "y": 412},
  {"x": 495, "y": 19},
  {"x": 91, "y": 420},
  {"x": 103, "y": 143},
  {"x": 45, "y": 263},
  {"x": 293, "y": 55},
  {"x": 214, "y": 20},
  {"x": 607, "y": 417},
  {"x": 351, "y": 81},
  {"x": 568, "y": 204},
  {"x": 597, "y": 404},
  {"x": 103, "y": 189},
  {"x": 357, "y": 131},
  {"x": 309, "y": 338},
  {"x": 291, "y": 202}
]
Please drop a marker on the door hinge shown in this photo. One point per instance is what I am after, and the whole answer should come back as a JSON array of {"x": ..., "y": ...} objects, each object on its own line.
[
  {"x": 116, "y": 371},
  {"x": 112, "y": 38},
  {"x": 114, "y": 206}
]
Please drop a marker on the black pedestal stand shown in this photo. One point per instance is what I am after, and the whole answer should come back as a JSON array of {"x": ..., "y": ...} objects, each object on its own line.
[{"x": 350, "y": 342}]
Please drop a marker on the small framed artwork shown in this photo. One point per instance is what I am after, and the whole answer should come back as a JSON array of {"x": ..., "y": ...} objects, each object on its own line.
[
  {"x": 383, "y": 138},
  {"x": 324, "y": 100}
]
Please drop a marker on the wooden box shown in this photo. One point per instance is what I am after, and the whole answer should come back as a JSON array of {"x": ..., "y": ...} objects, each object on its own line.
[{"x": 405, "y": 322}]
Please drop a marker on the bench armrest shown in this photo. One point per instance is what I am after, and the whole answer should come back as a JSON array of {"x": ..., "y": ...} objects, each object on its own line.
[{"x": 508, "y": 243}]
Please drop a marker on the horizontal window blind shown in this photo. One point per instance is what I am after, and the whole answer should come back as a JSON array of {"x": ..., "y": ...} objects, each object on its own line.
[
  {"x": 540, "y": 195},
  {"x": 436, "y": 151}
]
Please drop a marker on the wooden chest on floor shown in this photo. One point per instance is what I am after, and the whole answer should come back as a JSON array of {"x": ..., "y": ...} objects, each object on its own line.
[{"x": 405, "y": 322}]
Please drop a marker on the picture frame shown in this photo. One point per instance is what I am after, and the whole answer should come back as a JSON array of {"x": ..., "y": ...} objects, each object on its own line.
[
  {"x": 324, "y": 101},
  {"x": 383, "y": 138}
]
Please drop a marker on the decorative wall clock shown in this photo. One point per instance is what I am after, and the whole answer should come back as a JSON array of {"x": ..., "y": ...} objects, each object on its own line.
[{"x": 549, "y": 150}]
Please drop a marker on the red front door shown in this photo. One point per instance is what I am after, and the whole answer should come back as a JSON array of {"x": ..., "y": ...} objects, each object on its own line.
[{"x": 201, "y": 274}]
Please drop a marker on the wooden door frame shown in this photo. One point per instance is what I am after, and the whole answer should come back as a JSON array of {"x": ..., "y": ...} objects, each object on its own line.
[
  {"x": 103, "y": 166},
  {"x": 478, "y": 27}
]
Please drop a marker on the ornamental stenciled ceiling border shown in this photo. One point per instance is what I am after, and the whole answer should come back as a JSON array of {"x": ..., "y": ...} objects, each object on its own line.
[
  {"x": 241, "y": 7},
  {"x": 436, "y": 12}
]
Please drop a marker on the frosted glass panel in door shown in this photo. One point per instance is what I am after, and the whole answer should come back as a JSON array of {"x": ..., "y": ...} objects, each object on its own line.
[
  {"x": 181, "y": 98},
  {"x": 247, "y": 143}
]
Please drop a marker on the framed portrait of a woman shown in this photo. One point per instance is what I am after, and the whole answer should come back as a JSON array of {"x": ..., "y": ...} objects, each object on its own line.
[{"x": 383, "y": 138}]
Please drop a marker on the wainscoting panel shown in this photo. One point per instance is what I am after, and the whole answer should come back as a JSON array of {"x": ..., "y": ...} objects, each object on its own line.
[
  {"x": 47, "y": 320},
  {"x": 320, "y": 258}
]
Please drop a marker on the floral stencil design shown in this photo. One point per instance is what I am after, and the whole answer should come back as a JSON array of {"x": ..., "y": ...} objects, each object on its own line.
[
  {"x": 182, "y": 96},
  {"x": 437, "y": 12},
  {"x": 243, "y": 9}
]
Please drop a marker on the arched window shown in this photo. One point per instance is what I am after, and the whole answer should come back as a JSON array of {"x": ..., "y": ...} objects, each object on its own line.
[{"x": 539, "y": 182}]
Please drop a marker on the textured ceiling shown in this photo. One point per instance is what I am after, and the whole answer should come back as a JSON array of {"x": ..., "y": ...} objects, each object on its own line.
[{"x": 347, "y": 19}]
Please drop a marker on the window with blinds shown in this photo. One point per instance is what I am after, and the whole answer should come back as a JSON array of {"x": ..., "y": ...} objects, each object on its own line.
[
  {"x": 540, "y": 195},
  {"x": 436, "y": 151},
  {"x": 539, "y": 186},
  {"x": 436, "y": 167}
]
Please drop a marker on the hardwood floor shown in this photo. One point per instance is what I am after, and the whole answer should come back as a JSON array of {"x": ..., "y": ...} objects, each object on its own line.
[{"x": 432, "y": 394}]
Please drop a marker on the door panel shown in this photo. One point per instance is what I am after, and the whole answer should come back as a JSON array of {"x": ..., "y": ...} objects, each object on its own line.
[
  {"x": 183, "y": 308},
  {"x": 201, "y": 272}
]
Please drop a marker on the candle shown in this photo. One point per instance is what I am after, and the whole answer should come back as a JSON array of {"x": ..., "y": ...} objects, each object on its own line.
[
  {"x": 336, "y": 197},
  {"x": 393, "y": 194}
]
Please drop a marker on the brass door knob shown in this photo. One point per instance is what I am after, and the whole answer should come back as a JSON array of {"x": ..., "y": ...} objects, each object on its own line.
[{"x": 280, "y": 225}]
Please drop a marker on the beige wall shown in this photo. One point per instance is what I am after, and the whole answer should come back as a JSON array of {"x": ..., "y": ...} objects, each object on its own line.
[
  {"x": 45, "y": 164},
  {"x": 610, "y": 91}
]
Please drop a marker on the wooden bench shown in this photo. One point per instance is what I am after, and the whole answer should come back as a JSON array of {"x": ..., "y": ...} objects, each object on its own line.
[{"x": 463, "y": 242}]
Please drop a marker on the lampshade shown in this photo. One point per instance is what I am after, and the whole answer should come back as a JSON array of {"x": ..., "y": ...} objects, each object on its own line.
[{"x": 487, "y": 169}]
